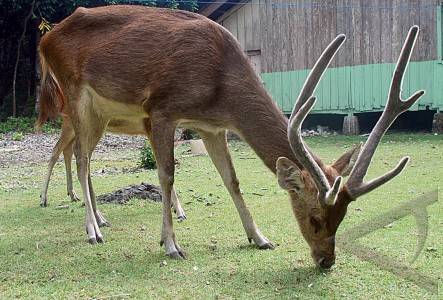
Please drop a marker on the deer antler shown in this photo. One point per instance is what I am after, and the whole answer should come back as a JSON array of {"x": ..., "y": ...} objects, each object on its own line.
[
  {"x": 394, "y": 107},
  {"x": 326, "y": 194}
]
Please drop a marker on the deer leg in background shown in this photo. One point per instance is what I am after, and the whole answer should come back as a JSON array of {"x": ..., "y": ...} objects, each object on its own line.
[
  {"x": 217, "y": 148},
  {"x": 67, "y": 154},
  {"x": 65, "y": 140},
  {"x": 163, "y": 145},
  {"x": 179, "y": 211}
]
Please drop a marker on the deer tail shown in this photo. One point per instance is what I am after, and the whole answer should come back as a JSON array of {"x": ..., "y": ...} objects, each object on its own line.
[{"x": 51, "y": 98}]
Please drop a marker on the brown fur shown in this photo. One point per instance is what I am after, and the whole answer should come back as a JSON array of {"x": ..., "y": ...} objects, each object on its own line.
[
  {"x": 51, "y": 98},
  {"x": 168, "y": 68}
]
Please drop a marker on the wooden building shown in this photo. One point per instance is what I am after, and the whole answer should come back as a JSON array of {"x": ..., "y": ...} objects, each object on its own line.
[{"x": 283, "y": 39}]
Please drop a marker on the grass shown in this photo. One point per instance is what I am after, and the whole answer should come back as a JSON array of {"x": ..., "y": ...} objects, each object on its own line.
[{"x": 44, "y": 254}]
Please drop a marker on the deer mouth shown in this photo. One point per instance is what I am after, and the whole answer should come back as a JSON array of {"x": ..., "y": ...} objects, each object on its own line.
[{"x": 325, "y": 262}]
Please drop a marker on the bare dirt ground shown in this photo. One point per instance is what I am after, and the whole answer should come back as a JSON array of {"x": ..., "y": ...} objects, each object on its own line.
[{"x": 37, "y": 148}]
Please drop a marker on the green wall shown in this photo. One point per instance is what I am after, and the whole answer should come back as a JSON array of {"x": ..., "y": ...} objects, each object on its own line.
[{"x": 359, "y": 88}]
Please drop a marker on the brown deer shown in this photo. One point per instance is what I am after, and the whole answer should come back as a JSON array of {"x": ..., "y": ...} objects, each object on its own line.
[
  {"x": 65, "y": 143},
  {"x": 178, "y": 68}
]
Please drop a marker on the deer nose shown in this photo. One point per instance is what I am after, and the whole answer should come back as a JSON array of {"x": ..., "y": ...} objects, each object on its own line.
[{"x": 325, "y": 262}]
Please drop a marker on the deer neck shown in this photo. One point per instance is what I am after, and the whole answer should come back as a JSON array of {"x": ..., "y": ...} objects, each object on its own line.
[{"x": 265, "y": 130}]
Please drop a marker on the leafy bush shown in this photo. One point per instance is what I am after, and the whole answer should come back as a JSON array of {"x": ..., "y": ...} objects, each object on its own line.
[
  {"x": 17, "y": 125},
  {"x": 17, "y": 136},
  {"x": 26, "y": 125},
  {"x": 147, "y": 158}
]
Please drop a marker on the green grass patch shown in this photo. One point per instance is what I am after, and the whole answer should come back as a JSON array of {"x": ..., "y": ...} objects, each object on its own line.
[{"x": 44, "y": 254}]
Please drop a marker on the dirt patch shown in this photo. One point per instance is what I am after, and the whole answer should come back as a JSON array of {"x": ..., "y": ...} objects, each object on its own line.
[
  {"x": 141, "y": 191},
  {"x": 36, "y": 148}
]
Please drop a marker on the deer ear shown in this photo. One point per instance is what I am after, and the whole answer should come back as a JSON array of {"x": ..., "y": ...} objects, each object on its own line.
[
  {"x": 289, "y": 175},
  {"x": 346, "y": 162}
]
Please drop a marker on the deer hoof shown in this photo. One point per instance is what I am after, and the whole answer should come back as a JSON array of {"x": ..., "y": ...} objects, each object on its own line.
[
  {"x": 73, "y": 196},
  {"x": 43, "y": 201},
  {"x": 101, "y": 221},
  {"x": 92, "y": 241},
  {"x": 104, "y": 224},
  {"x": 267, "y": 246},
  {"x": 177, "y": 255}
]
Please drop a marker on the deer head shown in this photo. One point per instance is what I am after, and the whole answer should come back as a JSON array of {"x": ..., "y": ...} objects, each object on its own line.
[{"x": 318, "y": 197}]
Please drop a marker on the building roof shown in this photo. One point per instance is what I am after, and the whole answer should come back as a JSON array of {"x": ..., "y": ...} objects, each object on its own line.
[{"x": 213, "y": 9}]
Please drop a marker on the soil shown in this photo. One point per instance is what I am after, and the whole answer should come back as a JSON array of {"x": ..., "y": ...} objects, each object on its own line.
[
  {"x": 37, "y": 148},
  {"x": 140, "y": 191}
]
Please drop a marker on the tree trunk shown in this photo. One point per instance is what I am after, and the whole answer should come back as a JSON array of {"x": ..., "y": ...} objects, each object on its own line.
[
  {"x": 37, "y": 72},
  {"x": 20, "y": 41}
]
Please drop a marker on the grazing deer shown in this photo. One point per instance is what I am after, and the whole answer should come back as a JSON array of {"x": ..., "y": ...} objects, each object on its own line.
[
  {"x": 178, "y": 68},
  {"x": 65, "y": 143}
]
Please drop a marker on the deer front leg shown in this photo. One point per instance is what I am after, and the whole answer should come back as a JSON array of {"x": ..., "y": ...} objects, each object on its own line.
[
  {"x": 67, "y": 154},
  {"x": 44, "y": 192},
  {"x": 181, "y": 216},
  {"x": 217, "y": 148},
  {"x": 64, "y": 142},
  {"x": 163, "y": 146}
]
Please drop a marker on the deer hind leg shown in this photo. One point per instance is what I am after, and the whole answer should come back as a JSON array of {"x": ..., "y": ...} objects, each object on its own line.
[
  {"x": 89, "y": 128},
  {"x": 217, "y": 148},
  {"x": 176, "y": 205},
  {"x": 101, "y": 221},
  {"x": 163, "y": 145},
  {"x": 64, "y": 142}
]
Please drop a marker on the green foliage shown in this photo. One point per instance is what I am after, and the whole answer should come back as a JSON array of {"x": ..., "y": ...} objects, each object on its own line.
[
  {"x": 17, "y": 136},
  {"x": 147, "y": 158},
  {"x": 26, "y": 125},
  {"x": 22, "y": 124}
]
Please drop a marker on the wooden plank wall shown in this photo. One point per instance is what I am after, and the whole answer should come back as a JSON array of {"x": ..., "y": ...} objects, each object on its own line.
[
  {"x": 294, "y": 33},
  {"x": 243, "y": 21}
]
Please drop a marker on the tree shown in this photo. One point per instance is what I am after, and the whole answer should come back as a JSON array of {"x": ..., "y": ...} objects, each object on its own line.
[{"x": 19, "y": 34}]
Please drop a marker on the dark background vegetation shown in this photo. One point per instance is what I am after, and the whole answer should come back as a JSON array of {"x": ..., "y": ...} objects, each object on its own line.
[{"x": 19, "y": 38}]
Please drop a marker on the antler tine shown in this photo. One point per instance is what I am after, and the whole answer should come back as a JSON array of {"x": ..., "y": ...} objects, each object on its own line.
[
  {"x": 303, "y": 106},
  {"x": 317, "y": 72},
  {"x": 394, "y": 107}
]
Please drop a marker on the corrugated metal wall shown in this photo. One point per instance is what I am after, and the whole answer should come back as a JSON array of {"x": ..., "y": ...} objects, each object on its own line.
[
  {"x": 290, "y": 35},
  {"x": 359, "y": 88}
]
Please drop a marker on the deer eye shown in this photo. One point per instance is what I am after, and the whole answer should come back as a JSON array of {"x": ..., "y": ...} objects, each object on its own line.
[{"x": 316, "y": 223}]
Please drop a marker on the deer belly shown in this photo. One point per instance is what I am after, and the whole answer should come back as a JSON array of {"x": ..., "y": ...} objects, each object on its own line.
[
  {"x": 114, "y": 108},
  {"x": 130, "y": 127}
]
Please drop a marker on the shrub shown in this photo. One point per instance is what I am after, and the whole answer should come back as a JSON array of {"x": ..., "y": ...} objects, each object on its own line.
[
  {"x": 147, "y": 158},
  {"x": 17, "y": 136},
  {"x": 26, "y": 125}
]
